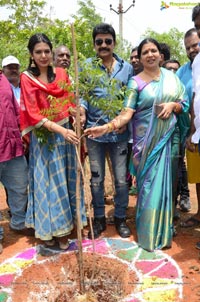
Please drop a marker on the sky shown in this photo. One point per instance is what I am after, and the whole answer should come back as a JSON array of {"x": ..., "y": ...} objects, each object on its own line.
[{"x": 143, "y": 15}]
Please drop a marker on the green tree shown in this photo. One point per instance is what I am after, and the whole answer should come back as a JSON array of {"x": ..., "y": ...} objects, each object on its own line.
[{"x": 27, "y": 17}]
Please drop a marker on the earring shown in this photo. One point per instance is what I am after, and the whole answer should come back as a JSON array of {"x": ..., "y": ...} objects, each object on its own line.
[
  {"x": 50, "y": 64},
  {"x": 32, "y": 63}
]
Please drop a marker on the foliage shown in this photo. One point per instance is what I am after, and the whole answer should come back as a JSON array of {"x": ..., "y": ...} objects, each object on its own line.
[
  {"x": 174, "y": 39},
  {"x": 56, "y": 106},
  {"x": 27, "y": 18},
  {"x": 91, "y": 76}
]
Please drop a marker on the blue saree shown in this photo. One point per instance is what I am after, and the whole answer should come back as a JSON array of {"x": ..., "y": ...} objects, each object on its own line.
[{"x": 153, "y": 156}]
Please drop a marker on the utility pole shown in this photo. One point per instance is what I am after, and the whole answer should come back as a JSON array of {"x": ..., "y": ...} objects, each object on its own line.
[{"x": 120, "y": 12}]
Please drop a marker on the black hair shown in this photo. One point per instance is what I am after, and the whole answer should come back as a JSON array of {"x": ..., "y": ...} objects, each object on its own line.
[
  {"x": 146, "y": 41},
  {"x": 171, "y": 61},
  {"x": 190, "y": 32},
  {"x": 165, "y": 50},
  {"x": 38, "y": 38},
  {"x": 103, "y": 28},
  {"x": 134, "y": 49},
  {"x": 195, "y": 12}
]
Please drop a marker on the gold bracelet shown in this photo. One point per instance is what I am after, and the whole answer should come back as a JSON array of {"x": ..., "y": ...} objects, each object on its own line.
[{"x": 110, "y": 127}]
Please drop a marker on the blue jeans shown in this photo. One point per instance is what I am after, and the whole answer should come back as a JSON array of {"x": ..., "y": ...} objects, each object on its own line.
[
  {"x": 118, "y": 156},
  {"x": 14, "y": 176},
  {"x": 183, "y": 189}
]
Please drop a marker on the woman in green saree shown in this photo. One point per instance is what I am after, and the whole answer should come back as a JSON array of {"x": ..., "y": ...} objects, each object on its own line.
[{"x": 154, "y": 100}]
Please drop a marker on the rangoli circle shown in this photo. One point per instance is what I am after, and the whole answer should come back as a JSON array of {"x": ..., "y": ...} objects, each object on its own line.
[{"x": 159, "y": 276}]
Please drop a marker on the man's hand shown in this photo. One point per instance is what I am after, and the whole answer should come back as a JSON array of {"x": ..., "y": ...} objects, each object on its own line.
[
  {"x": 97, "y": 131},
  {"x": 189, "y": 145}
]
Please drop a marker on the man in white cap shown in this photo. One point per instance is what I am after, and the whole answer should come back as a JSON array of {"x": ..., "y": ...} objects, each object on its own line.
[
  {"x": 13, "y": 164},
  {"x": 11, "y": 69}
]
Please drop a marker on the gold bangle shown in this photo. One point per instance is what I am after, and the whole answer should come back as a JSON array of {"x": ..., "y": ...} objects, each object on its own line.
[{"x": 110, "y": 127}]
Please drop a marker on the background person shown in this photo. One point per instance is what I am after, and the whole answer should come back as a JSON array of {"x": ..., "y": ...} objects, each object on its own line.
[
  {"x": 191, "y": 42},
  {"x": 13, "y": 165},
  {"x": 134, "y": 60},
  {"x": 192, "y": 143},
  {"x": 165, "y": 53},
  {"x": 62, "y": 57},
  {"x": 11, "y": 69},
  {"x": 153, "y": 109},
  {"x": 172, "y": 65},
  {"x": 51, "y": 207},
  {"x": 138, "y": 67}
]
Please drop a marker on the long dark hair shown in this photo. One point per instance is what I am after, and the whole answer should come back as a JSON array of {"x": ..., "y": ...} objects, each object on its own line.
[{"x": 38, "y": 38}]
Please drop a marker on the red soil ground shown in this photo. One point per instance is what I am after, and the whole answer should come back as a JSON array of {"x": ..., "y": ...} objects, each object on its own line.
[{"x": 183, "y": 249}]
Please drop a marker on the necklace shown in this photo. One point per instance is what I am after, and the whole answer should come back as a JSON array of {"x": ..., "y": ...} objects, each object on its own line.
[
  {"x": 110, "y": 67},
  {"x": 154, "y": 77}
]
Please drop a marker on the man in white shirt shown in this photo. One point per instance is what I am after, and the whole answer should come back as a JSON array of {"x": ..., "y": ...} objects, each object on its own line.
[{"x": 193, "y": 141}]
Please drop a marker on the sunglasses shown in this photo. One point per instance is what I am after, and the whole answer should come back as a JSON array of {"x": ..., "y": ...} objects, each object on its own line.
[{"x": 99, "y": 42}]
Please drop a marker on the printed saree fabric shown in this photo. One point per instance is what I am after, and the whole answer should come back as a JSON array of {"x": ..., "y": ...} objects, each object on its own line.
[
  {"x": 152, "y": 156},
  {"x": 40, "y": 101}
]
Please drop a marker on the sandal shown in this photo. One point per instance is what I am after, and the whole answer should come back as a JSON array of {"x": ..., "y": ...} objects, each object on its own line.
[
  {"x": 63, "y": 246},
  {"x": 63, "y": 242},
  {"x": 189, "y": 223},
  {"x": 49, "y": 242}
]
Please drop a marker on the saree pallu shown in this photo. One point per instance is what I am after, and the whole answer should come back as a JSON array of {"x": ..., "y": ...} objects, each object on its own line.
[
  {"x": 40, "y": 101},
  {"x": 155, "y": 150},
  {"x": 52, "y": 188}
]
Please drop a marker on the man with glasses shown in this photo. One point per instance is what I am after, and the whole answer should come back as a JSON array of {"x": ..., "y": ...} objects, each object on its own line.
[{"x": 114, "y": 143}]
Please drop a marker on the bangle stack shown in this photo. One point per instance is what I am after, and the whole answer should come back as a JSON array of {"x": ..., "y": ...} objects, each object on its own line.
[
  {"x": 178, "y": 108},
  {"x": 114, "y": 125}
]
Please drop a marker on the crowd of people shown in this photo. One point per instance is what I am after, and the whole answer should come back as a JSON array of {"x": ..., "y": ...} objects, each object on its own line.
[{"x": 149, "y": 139}]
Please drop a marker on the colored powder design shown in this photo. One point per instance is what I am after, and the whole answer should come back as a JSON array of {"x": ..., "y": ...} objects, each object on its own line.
[
  {"x": 159, "y": 277},
  {"x": 28, "y": 254}
]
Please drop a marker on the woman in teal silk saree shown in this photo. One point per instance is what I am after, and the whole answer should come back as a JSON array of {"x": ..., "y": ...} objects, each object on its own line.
[{"x": 155, "y": 98}]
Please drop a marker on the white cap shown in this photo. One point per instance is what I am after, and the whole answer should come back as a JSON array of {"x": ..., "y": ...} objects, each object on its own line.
[{"x": 10, "y": 60}]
